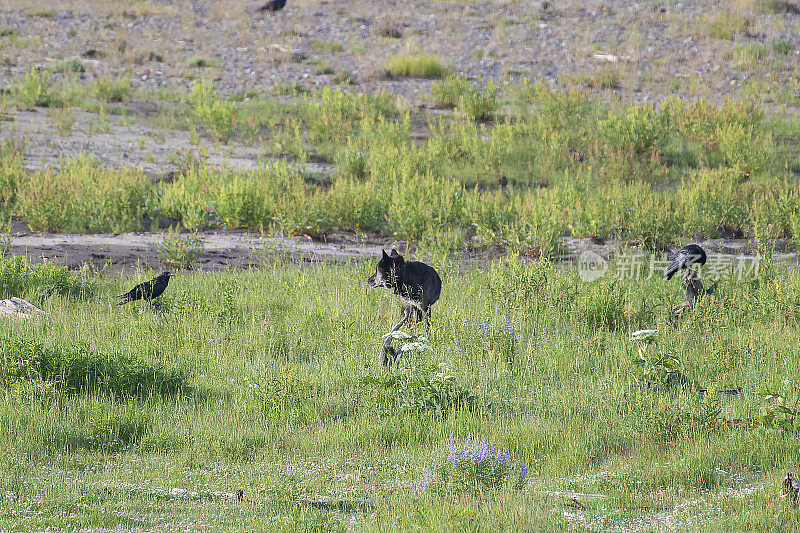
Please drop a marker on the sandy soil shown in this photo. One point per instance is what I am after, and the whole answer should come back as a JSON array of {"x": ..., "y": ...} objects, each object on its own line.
[
  {"x": 242, "y": 249},
  {"x": 222, "y": 250}
]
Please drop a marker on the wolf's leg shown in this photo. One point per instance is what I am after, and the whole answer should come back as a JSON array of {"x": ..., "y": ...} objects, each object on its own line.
[{"x": 387, "y": 344}]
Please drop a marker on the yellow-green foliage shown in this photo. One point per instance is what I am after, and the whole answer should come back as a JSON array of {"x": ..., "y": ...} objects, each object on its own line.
[
  {"x": 12, "y": 173},
  {"x": 250, "y": 199},
  {"x": 419, "y": 65},
  {"x": 113, "y": 89},
  {"x": 562, "y": 164},
  {"x": 34, "y": 90},
  {"x": 334, "y": 115},
  {"x": 215, "y": 114},
  {"x": 80, "y": 195},
  {"x": 725, "y": 24}
]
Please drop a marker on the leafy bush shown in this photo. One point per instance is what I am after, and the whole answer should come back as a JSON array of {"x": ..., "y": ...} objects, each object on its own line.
[
  {"x": 725, "y": 25},
  {"x": 638, "y": 129},
  {"x": 62, "y": 118},
  {"x": 745, "y": 149},
  {"x": 274, "y": 193},
  {"x": 113, "y": 89},
  {"x": 335, "y": 115},
  {"x": 480, "y": 102},
  {"x": 419, "y": 388},
  {"x": 66, "y": 66},
  {"x": 712, "y": 203},
  {"x": 448, "y": 92},
  {"x": 79, "y": 195},
  {"x": 35, "y": 90},
  {"x": 782, "y": 46},
  {"x": 201, "y": 62},
  {"x": 215, "y": 114},
  {"x": 783, "y": 412}
]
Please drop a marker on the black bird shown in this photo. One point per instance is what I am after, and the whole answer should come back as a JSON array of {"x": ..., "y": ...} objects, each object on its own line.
[
  {"x": 147, "y": 290},
  {"x": 684, "y": 258},
  {"x": 272, "y": 5}
]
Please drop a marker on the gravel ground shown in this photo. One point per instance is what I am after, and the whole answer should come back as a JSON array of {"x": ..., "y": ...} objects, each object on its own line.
[{"x": 652, "y": 41}]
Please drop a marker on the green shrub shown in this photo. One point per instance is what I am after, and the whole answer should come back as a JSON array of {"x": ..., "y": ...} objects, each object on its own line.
[
  {"x": 336, "y": 115},
  {"x": 12, "y": 172},
  {"x": 417, "y": 65},
  {"x": 607, "y": 77},
  {"x": 480, "y": 102},
  {"x": 448, "y": 92},
  {"x": 638, "y": 129},
  {"x": 782, "y": 46},
  {"x": 36, "y": 281},
  {"x": 215, "y": 114},
  {"x": 62, "y": 118},
  {"x": 725, "y": 24},
  {"x": 330, "y": 47},
  {"x": 113, "y": 89},
  {"x": 41, "y": 12},
  {"x": 201, "y": 62},
  {"x": 712, "y": 202},
  {"x": 247, "y": 199},
  {"x": 66, "y": 66},
  {"x": 79, "y": 195},
  {"x": 35, "y": 91},
  {"x": 744, "y": 148}
]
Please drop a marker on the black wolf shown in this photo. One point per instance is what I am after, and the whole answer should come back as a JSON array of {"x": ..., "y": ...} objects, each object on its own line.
[
  {"x": 684, "y": 258},
  {"x": 417, "y": 284},
  {"x": 147, "y": 290}
]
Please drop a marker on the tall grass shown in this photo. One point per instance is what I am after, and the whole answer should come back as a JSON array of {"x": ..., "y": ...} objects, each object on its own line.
[
  {"x": 416, "y": 65},
  {"x": 268, "y": 381}
]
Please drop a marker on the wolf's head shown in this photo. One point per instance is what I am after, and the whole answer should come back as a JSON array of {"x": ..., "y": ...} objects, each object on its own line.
[{"x": 387, "y": 271}]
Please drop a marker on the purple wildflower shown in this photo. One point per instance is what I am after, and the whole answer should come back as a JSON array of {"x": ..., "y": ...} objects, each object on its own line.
[
  {"x": 484, "y": 452},
  {"x": 522, "y": 473}
]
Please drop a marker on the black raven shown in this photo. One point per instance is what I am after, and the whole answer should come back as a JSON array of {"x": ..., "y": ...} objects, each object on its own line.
[
  {"x": 147, "y": 290},
  {"x": 684, "y": 258},
  {"x": 272, "y": 5}
]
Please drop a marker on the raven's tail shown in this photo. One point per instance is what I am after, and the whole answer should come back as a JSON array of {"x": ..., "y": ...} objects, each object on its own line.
[{"x": 671, "y": 269}]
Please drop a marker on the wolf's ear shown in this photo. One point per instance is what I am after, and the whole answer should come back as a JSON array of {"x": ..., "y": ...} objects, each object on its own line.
[{"x": 384, "y": 254}]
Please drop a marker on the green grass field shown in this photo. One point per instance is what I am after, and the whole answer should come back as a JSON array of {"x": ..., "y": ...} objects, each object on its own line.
[
  {"x": 269, "y": 381},
  {"x": 485, "y": 136}
]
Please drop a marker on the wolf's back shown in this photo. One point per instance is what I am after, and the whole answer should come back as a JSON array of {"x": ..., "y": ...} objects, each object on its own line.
[{"x": 425, "y": 282}]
